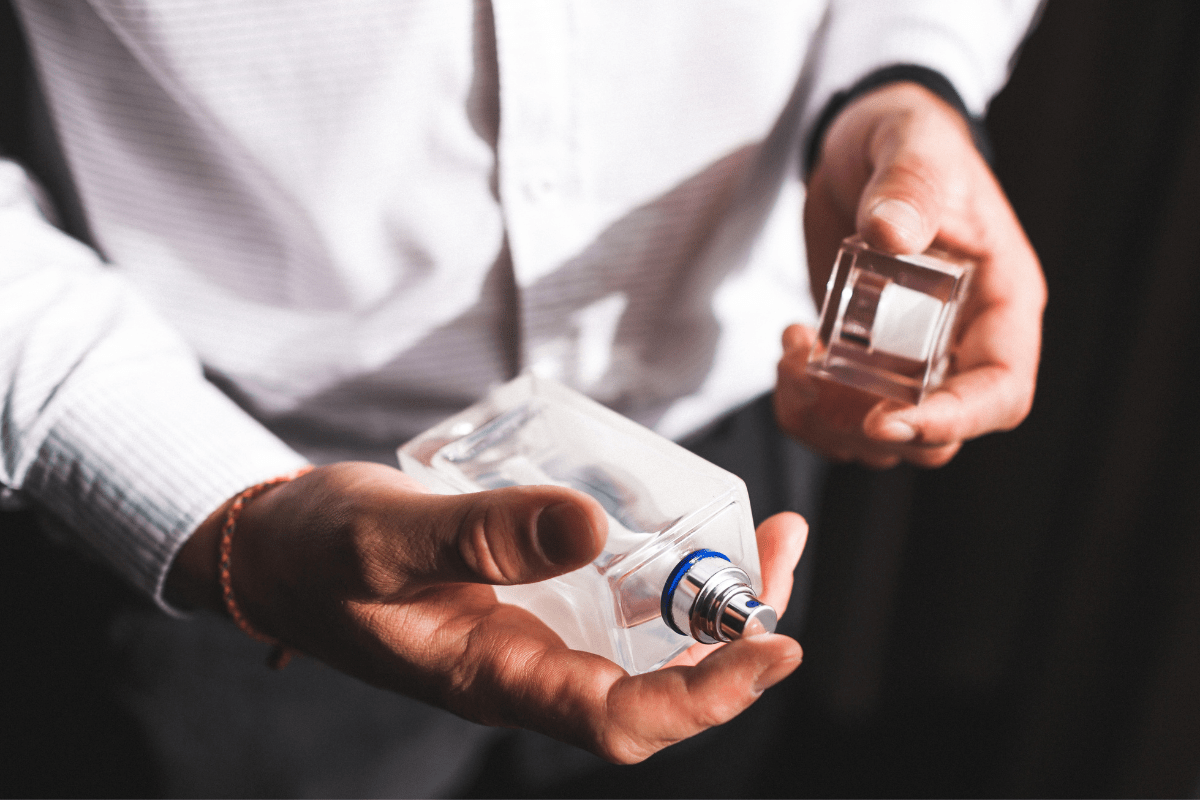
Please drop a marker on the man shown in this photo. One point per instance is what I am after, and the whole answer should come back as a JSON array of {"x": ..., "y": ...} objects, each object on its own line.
[{"x": 356, "y": 220}]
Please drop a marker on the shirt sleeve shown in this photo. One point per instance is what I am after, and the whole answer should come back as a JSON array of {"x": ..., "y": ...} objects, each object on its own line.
[
  {"x": 971, "y": 43},
  {"x": 107, "y": 423}
]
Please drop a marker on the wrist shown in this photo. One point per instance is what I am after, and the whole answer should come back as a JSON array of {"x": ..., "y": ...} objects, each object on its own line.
[
  {"x": 280, "y": 654},
  {"x": 913, "y": 75},
  {"x": 193, "y": 582}
]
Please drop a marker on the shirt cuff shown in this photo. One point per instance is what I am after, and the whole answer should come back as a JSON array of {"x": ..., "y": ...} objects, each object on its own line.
[
  {"x": 133, "y": 469},
  {"x": 932, "y": 80},
  {"x": 971, "y": 45}
]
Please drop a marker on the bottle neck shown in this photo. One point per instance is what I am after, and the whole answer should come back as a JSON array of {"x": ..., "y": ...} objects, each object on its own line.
[{"x": 711, "y": 600}]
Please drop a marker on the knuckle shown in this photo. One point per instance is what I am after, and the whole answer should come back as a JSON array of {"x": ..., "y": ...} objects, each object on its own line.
[
  {"x": 1024, "y": 405},
  {"x": 912, "y": 177},
  {"x": 791, "y": 368},
  {"x": 478, "y": 531},
  {"x": 1018, "y": 403},
  {"x": 936, "y": 457},
  {"x": 618, "y": 747}
]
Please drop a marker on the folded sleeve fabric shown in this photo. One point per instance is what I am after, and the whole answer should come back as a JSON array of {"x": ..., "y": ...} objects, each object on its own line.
[{"x": 106, "y": 421}]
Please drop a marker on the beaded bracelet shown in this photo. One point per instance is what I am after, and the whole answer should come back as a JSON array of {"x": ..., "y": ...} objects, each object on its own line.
[{"x": 280, "y": 654}]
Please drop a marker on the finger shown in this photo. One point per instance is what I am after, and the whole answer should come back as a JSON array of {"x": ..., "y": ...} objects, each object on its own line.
[
  {"x": 931, "y": 457},
  {"x": 903, "y": 203},
  {"x": 512, "y": 670},
  {"x": 832, "y": 423},
  {"x": 808, "y": 398},
  {"x": 781, "y": 541},
  {"x": 649, "y": 712},
  {"x": 658, "y": 709},
  {"x": 795, "y": 390},
  {"x": 848, "y": 425},
  {"x": 798, "y": 339},
  {"x": 968, "y": 405},
  {"x": 833, "y": 419},
  {"x": 519, "y": 534}
]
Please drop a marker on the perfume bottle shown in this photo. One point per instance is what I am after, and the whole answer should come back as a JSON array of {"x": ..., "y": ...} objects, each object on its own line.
[
  {"x": 888, "y": 322},
  {"x": 680, "y": 564}
]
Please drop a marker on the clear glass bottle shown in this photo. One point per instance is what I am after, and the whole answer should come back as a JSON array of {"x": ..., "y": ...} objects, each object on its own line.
[
  {"x": 681, "y": 561},
  {"x": 888, "y": 322}
]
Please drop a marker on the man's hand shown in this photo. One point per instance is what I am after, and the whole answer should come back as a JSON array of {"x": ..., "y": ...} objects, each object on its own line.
[
  {"x": 357, "y": 565},
  {"x": 899, "y": 167}
]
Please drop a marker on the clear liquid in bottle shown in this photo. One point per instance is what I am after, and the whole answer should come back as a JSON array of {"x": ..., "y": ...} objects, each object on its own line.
[{"x": 648, "y": 596}]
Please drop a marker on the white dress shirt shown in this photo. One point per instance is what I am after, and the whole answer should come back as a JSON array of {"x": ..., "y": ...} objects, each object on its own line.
[{"x": 358, "y": 217}]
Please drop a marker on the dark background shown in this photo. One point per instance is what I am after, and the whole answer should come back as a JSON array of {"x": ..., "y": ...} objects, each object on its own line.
[
  {"x": 1022, "y": 622},
  {"x": 1026, "y": 621}
]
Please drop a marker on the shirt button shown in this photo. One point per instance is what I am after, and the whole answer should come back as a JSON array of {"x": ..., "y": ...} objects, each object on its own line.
[{"x": 539, "y": 189}]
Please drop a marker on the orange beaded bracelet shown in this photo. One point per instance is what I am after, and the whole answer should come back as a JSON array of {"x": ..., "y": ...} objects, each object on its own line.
[{"x": 280, "y": 654}]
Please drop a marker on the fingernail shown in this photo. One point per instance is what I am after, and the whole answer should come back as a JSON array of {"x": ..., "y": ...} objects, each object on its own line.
[
  {"x": 895, "y": 430},
  {"x": 562, "y": 534},
  {"x": 901, "y": 215}
]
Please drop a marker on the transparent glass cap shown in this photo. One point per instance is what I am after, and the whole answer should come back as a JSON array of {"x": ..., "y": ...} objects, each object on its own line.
[{"x": 888, "y": 322}]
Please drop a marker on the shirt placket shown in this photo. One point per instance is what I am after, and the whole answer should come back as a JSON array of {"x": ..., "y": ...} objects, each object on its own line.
[{"x": 538, "y": 169}]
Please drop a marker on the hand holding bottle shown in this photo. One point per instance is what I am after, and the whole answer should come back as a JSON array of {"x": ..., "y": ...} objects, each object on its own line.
[
  {"x": 356, "y": 564},
  {"x": 899, "y": 167}
]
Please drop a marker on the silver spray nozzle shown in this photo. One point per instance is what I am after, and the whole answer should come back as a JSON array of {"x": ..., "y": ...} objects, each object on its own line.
[{"x": 710, "y": 599}]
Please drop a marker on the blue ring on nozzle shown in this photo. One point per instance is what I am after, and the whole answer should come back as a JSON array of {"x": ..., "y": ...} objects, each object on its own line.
[{"x": 676, "y": 576}]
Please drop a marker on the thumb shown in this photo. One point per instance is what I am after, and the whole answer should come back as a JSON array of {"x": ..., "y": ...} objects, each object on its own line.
[
  {"x": 519, "y": 534},
  {"x": 901, "y": 206}
]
